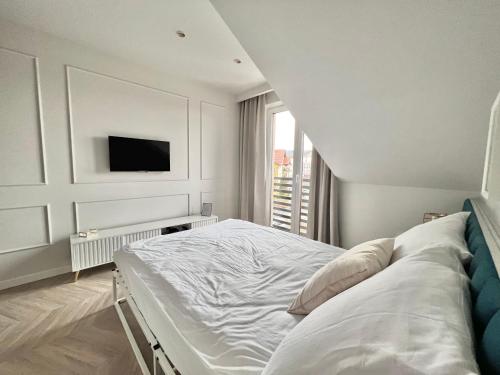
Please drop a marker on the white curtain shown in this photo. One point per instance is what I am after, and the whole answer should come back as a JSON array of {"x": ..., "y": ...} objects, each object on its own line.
[
  {"x": 323, "y": 222},
  {"x": 255, "y": 161}
]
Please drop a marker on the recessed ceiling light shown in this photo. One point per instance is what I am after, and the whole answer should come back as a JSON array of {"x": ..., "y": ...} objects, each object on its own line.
[
  {"x": 180, "y": 34},
  {"x": 237, "y": 61}
]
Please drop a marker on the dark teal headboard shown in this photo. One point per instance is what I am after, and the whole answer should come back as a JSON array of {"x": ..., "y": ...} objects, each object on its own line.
[{"x": 485, "y": 291}]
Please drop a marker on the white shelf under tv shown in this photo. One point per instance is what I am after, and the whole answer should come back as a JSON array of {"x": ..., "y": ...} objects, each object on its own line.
[{"x": 97, "y": 249}]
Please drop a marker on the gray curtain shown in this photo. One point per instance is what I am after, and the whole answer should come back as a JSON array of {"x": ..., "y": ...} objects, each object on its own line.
[
  {"x": 255, "y": 162},
  {"x": 323, "y": 223}
]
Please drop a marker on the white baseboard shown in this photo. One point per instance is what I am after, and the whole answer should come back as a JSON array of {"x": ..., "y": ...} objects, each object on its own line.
[{"x": 4, "y": 284}]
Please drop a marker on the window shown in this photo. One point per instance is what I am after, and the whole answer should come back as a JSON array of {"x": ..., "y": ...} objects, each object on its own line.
[{"x": 291, "y": 173}]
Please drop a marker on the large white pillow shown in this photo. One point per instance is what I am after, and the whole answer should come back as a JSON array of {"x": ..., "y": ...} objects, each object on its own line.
[
  {"x": 411, "y": 318},
  {"x": 447, "y": 231}
]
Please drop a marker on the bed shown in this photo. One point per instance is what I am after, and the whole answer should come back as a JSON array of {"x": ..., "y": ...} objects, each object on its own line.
[
  {"x": 253, "y": 269},
  {"x": 213, "y": 300}
]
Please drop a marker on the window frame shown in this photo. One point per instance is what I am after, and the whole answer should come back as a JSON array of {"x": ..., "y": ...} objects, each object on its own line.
[{"x": 271, "y": 110}]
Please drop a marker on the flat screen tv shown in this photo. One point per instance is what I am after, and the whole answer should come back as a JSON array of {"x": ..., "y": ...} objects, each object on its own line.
[{"x": 133, "y": 154}]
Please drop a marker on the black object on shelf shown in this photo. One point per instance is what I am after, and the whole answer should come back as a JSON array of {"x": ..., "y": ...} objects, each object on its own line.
[{"x": 175, "y": 229}]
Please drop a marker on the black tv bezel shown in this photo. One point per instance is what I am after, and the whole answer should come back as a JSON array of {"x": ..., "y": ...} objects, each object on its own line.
[{"x": 110, "y": 137}]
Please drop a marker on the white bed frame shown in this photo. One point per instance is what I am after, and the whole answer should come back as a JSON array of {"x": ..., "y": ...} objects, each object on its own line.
[{"x": 158, "y": 355}]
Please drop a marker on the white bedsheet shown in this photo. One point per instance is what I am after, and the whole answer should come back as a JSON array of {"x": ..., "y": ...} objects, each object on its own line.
[{"x": 216, "y": 297}]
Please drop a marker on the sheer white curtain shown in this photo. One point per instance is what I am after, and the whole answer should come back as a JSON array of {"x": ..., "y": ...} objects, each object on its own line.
[
  {"x": 323, "y": 221},
  {"x": 255, "y": 161}
]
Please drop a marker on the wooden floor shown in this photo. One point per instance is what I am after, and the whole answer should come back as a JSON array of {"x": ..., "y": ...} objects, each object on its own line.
[{"x": 55, "y": 326}]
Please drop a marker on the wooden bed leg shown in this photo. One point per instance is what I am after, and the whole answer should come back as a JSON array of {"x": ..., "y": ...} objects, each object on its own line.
[{"x": 76, "y": 275}]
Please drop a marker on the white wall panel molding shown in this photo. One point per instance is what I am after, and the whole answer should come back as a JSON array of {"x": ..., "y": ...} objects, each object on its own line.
[
  {"x": 83, "y": 91},
  {"x": 211, "y": 125},
  {"x": 16, "y": 114},
  {"x": 128, "y": 211},
  {"x": 25, "y": 227},
  {"x": 69, "y": 66},
  {"x": 175, "y": 109}
]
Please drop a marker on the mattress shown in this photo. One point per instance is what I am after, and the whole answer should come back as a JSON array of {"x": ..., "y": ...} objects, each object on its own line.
[{"x": 216, "y": 297}]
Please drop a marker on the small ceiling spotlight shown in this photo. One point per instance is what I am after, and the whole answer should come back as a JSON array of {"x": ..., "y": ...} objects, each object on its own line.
[
  {"x": 180, "y": 34},
  {"x": 237, "y": 61}
]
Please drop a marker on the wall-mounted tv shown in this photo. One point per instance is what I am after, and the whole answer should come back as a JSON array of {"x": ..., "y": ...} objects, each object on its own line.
[{"x": 134, "y": 154}]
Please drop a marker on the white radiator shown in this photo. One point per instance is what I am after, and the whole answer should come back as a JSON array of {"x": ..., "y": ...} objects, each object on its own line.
[{"x": 99, "y": 248}]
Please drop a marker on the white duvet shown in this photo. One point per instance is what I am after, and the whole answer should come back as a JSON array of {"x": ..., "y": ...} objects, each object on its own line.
[{"x": 216, "y": 297}]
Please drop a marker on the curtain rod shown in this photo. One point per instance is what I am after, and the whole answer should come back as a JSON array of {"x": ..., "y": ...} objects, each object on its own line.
[{"x": 256, "y": 91}]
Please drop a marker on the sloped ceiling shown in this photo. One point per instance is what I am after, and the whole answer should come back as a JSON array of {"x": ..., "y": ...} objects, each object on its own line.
[{"x": 393, "y": 92}]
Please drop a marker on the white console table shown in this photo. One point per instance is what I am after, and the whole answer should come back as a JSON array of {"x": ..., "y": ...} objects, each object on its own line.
[{"x": 98, "y": 248}]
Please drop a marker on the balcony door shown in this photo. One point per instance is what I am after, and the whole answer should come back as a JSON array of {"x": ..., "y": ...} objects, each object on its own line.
[{"x": 291, "y": 172}]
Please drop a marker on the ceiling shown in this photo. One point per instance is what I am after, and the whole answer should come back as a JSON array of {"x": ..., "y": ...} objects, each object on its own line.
[
  {"x": 145, "y": 33},
  {"x": 391, "y": 92}
]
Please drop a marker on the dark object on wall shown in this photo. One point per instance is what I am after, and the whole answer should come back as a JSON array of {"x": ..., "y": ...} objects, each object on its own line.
[
  {"x": 133, "y": 154},
  {"x": 206, "y": 209}
]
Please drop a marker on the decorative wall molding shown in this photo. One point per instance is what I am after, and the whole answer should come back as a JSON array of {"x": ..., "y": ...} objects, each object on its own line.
[
  {"x": 54, "y": 85},
  {"x": 123, "y": 80},
  {"x": 201, "y": 135},
  {"x": 77, "y": 204},
  {"x": 48, "y": 226},
  {"x": 73, "y": 155},
  {"x": 41, "y": 126}
]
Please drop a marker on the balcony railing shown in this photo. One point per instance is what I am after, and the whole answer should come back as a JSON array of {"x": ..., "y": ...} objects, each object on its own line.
[{"x": 282, "y": 204}]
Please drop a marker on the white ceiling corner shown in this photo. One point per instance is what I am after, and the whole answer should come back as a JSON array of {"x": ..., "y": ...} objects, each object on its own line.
[{"x": 144, "y": 33}]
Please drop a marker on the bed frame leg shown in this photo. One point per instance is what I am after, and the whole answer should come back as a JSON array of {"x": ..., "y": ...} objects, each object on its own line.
[
  {"x": 77, "y": 273},
  {"x": 131, "y": 339},
  {"x": 115, "y": 294},
  {"x": 160, "y": 360}
]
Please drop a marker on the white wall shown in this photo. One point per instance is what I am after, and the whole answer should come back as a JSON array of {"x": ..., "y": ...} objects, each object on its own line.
[
  {"x": 368, "y": 211},
  {"x": 394, "y": 94},
  {"x": 391, "y": 92},
  {"x": 375, "y": 211},
  {"x": 58, "y": 103}
]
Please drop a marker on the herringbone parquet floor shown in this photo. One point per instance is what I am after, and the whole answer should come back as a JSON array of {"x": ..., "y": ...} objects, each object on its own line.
[{"x": 55, "y": 326}]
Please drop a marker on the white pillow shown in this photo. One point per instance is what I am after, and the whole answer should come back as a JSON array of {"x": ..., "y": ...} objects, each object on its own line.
[
  {"x": 351, "y": 268},
  {"x": 447, "y": 231},
  {"x": 411, "y": 318}
]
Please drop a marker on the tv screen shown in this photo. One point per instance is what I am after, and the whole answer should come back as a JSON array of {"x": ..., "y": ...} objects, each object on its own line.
[{"x": 133, "y": 154}]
